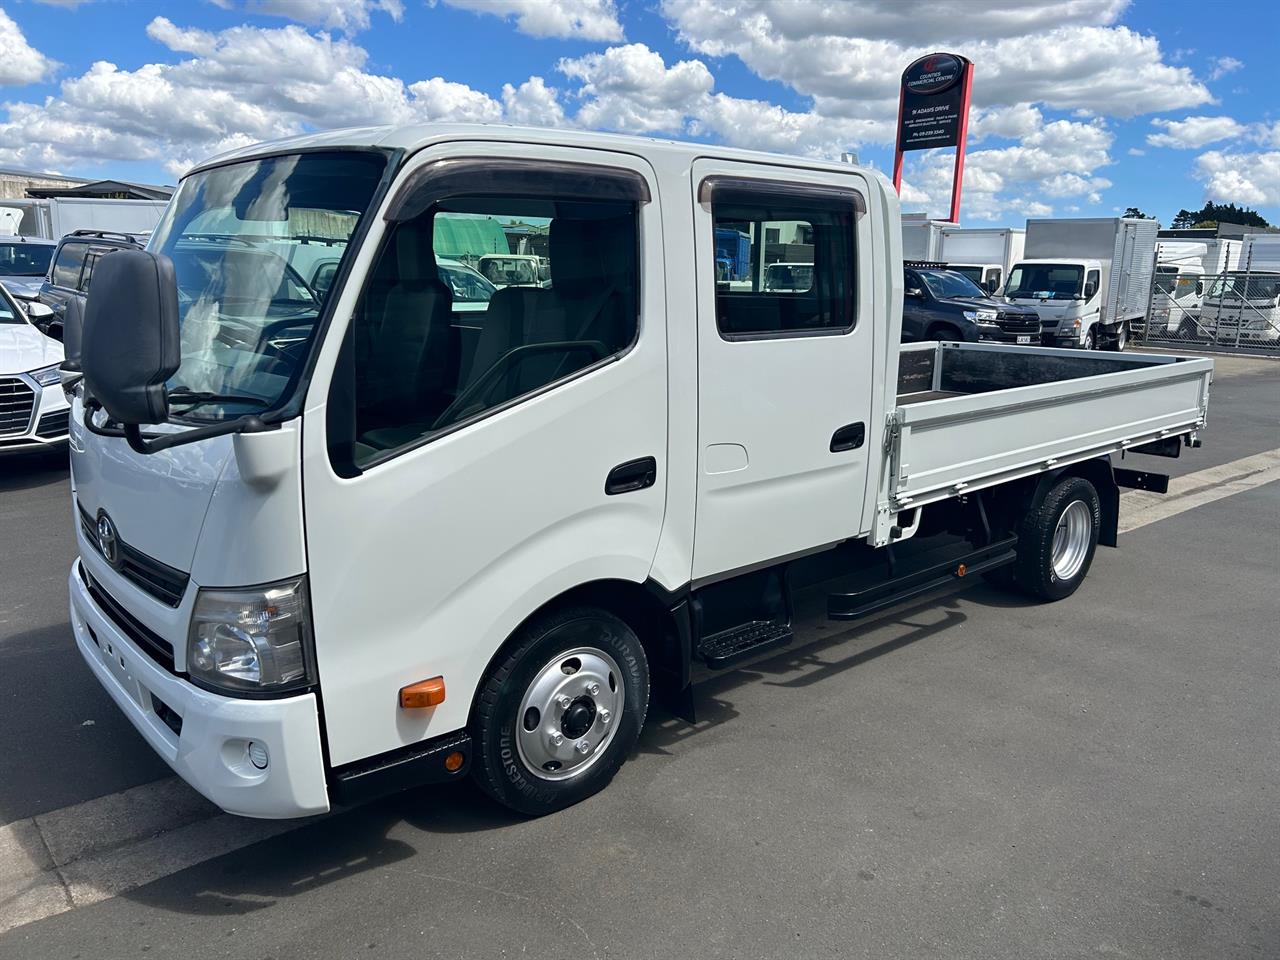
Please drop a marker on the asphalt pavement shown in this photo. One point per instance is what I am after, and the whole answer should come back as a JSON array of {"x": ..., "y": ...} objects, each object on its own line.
[{"x": 971, "y": 776}]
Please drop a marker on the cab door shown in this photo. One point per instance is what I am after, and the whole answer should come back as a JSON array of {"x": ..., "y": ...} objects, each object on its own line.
[
  {"x": 785, "y": 338},
  {"x": 474, "y": 459}
]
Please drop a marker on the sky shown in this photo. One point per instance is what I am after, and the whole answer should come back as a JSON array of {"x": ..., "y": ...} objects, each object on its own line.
[{"x": 1081, "y": 107}]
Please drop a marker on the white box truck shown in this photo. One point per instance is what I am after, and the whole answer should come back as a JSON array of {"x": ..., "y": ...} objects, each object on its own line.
[
  {"x": 1242, "y": 306},
  {"x": 55, "y": 217},
  {"x": 1089, "y": 279},
  {"x": 921, "y": 237},
  {"x": 985, "y": 256},
  {"x": 373, "y": 542}
]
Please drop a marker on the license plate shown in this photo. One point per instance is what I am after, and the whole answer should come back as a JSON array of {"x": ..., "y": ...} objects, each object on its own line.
[{"x": 1026, "y": 339}]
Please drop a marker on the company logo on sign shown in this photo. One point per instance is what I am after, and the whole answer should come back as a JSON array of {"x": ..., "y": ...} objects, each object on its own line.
[{"x": 935, "y": 73}]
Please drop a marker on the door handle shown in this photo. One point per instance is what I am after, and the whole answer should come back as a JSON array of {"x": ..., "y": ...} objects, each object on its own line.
[
  {"x": 849, "y": 437},
  {"x": 631, "y": 476}
]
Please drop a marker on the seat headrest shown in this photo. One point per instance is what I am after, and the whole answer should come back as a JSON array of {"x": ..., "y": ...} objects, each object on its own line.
[
  {"x": 415, "y": 257},
  {"x": 578, "y": 262}
]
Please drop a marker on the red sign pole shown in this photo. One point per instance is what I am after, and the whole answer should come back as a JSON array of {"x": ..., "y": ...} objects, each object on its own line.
[
  {"x": 897, "y": 142},
  {"x": 957, "y": 178}
]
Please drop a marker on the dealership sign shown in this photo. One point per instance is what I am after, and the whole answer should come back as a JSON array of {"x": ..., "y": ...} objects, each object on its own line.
[{"x": 933, "y": 111}]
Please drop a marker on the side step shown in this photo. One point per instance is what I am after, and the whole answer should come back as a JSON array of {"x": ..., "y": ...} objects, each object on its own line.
[
  {"x": 724, "y": 649},
  {"x": 861, "y": 603}
]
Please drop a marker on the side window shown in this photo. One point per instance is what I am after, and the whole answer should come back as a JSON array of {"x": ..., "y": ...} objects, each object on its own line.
[
  {"x": 91, "y": 258},
  {"x": 994, "y": 281},
  {"x": 66, "y": 269},
  {"x": 436, "y": 343},
  {"x": 784, "y": 263},
  {"x": 1092, "y": 280}
]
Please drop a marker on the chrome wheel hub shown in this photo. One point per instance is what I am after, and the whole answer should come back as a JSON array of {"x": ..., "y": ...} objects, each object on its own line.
[
  {"x": 1071, "y": 540},
  {"x": 569, "y": 713}
]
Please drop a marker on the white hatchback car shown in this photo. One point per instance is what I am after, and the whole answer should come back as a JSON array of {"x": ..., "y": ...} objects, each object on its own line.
[{"x": 33, "y": 408}]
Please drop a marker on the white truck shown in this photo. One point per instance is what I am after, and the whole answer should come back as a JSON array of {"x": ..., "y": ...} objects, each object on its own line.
[
  {"x": 922, "y": 237},
  {"x": 983, "y": 255},
  {"x": 55, "y": 217},
  {"x": 337, "y": 547},
  {"x": 1242, "y": 306},
  {"x": 1089, "y": 279}
]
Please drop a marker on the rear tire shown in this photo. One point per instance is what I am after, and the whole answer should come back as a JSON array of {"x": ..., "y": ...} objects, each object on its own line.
[
  {"x": 571, "y": 678},
  {"x": 1118, "y": 342},
  {"x": 1057, "y": 540}
]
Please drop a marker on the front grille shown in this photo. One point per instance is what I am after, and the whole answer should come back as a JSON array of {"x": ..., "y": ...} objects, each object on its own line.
[
  {"x": 1018, "y": 322},
  {"x": 17, "y": 400},
  {"x": 158, "y": 579},
  {"x": 155, "y": 646},
  {"x": 53, "y": 425}
]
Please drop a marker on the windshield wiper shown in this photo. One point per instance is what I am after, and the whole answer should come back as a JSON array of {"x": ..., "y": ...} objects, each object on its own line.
[{"x": 197, "y": 397}]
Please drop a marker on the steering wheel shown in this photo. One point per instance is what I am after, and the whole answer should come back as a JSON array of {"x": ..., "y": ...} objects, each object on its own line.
[{"x": 509, "y": 359}]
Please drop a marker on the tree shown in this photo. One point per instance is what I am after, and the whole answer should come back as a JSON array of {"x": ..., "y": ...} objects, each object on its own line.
[
  {"x": 1135, "y": 212},
  {"x": 1211, "y": 214}
]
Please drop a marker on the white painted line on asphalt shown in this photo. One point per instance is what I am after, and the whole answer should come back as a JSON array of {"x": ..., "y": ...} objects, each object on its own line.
[
  {"x": 99, "y": 849},
  {"x": 1138, "y": 508}
]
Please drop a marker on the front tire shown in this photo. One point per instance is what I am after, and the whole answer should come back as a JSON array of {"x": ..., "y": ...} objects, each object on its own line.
[
  {"x": 1091, "y": 338},
  {"x": 558, "y": 713},
  {"x": 1057, "y": 540}
]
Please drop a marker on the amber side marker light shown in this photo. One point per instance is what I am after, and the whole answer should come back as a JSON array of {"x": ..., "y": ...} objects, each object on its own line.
[
  {"x": 454, "y": 761},
  {"x": 424, "y": 693},
  {"x": 960, "y": 572}
]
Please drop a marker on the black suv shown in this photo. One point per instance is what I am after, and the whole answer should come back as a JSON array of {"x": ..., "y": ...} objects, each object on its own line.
[
  {"x": 940, "y": 304},
  {"x": 71, "y": 269}
]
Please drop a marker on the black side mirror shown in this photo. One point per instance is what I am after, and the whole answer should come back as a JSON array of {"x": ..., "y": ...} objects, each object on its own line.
[
  {"x": 915, "y": 293},
  {"x": 130, "y": 344},
  {"x": 992, "y": 285},
  {"x": 1089, "y": 290}
]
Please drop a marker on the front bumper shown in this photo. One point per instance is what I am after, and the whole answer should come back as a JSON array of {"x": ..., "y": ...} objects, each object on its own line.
[
  {"x": 205, "y": 737},
  {"x": 46, "y": 429},
  {"x": 1004, "y": 336}
]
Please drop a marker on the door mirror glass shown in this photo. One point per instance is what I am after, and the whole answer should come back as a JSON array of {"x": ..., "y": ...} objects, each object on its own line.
[
  {"x": 1090, "y": 289},
  {"x": 915, "y": 293},
  {"x": 130, "y": 341}
]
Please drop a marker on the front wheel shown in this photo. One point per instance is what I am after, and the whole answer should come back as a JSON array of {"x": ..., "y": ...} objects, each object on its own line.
[
  {"x": 556, "y": 716},
  {"x": 1091, "y": 338},
  {"x": 1057, "y": 540}
]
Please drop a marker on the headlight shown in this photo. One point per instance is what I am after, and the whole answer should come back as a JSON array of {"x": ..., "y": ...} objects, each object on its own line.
[
  {"x": 256, "y": 639},
  {"x": 45, "y": 376},
  {"x": 981, "y": 316}
]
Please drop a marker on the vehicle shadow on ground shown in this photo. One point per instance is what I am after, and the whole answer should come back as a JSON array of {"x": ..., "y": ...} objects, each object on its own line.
[{"x": 24, "y": 471}]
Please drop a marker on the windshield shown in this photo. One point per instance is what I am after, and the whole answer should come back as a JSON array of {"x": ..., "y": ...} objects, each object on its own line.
[
  {"x": 25, "y": 259},
  {"x": 948, "y": 285},
  {"x": 1232, "y": 287},
  {"x": 1046, "y": 281},
  {"x": 9, "y": 312},
  {"x": 255, "y": 247},
  {"x": 790, "y": 277},
  {"x": 506, "y": 271},
  {"x": 973, "y": 273}
]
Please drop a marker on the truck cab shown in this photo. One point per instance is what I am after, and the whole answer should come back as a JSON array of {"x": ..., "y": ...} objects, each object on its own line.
[
  {"x": 1243, "y": 306},
  {"x": 1067, "y": 295}
]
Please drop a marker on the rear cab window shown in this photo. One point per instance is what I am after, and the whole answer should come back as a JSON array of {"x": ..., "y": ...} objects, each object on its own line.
[{"x": 67, "y": 266}]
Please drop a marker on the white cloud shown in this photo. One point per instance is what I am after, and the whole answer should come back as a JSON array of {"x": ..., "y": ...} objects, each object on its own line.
[
  {"x": 348, "y": 16},
  {"x": 848, "y": 56},
  {"x": 1246, "y": 178},
  {"x": 234, "y": 87},
  {"x": 20, "y": 63},
  {"x": 1135, "y": 152},
  {"x": 631, "y": 88},
  {"x": 1194, "y": 132},
  {"x": 580, "y": 19},
  {"x": 1223, "y": 66}
]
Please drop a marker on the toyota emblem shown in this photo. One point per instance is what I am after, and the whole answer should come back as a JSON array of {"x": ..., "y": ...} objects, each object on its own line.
[{"x": 108, "y": 543}]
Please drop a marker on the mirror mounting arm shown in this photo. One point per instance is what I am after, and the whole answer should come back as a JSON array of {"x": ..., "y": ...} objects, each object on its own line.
[{"x": 154, "y": 443}]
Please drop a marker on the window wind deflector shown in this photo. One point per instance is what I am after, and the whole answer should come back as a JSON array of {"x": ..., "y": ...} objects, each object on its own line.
[
  {"x": 751, "y": 190},
  {"x": 486, "y": 176}
]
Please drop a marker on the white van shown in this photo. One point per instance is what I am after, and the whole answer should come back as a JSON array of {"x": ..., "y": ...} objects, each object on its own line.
[{"x": 337, "y": 545}]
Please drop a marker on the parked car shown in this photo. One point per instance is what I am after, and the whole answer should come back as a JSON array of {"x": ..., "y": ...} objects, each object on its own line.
[
  {"x": 471, "y": 292},
  {"x": 514, "y": 269},
  {"x": 33, "y": 408},
  {"x": 24, "y": 262},
  {"x": 73, "y": 264},
  {"x": 945, "y": 305}
]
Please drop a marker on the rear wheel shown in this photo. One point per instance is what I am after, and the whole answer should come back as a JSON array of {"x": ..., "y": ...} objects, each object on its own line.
[
  {"x": 557, "y": 715},
  {"x": 1121, "y": 338},
  {"x": 1057, "y": 540}
]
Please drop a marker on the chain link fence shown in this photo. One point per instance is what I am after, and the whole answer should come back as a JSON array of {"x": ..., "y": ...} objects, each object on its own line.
[{"x": 1235, "y": 310}]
